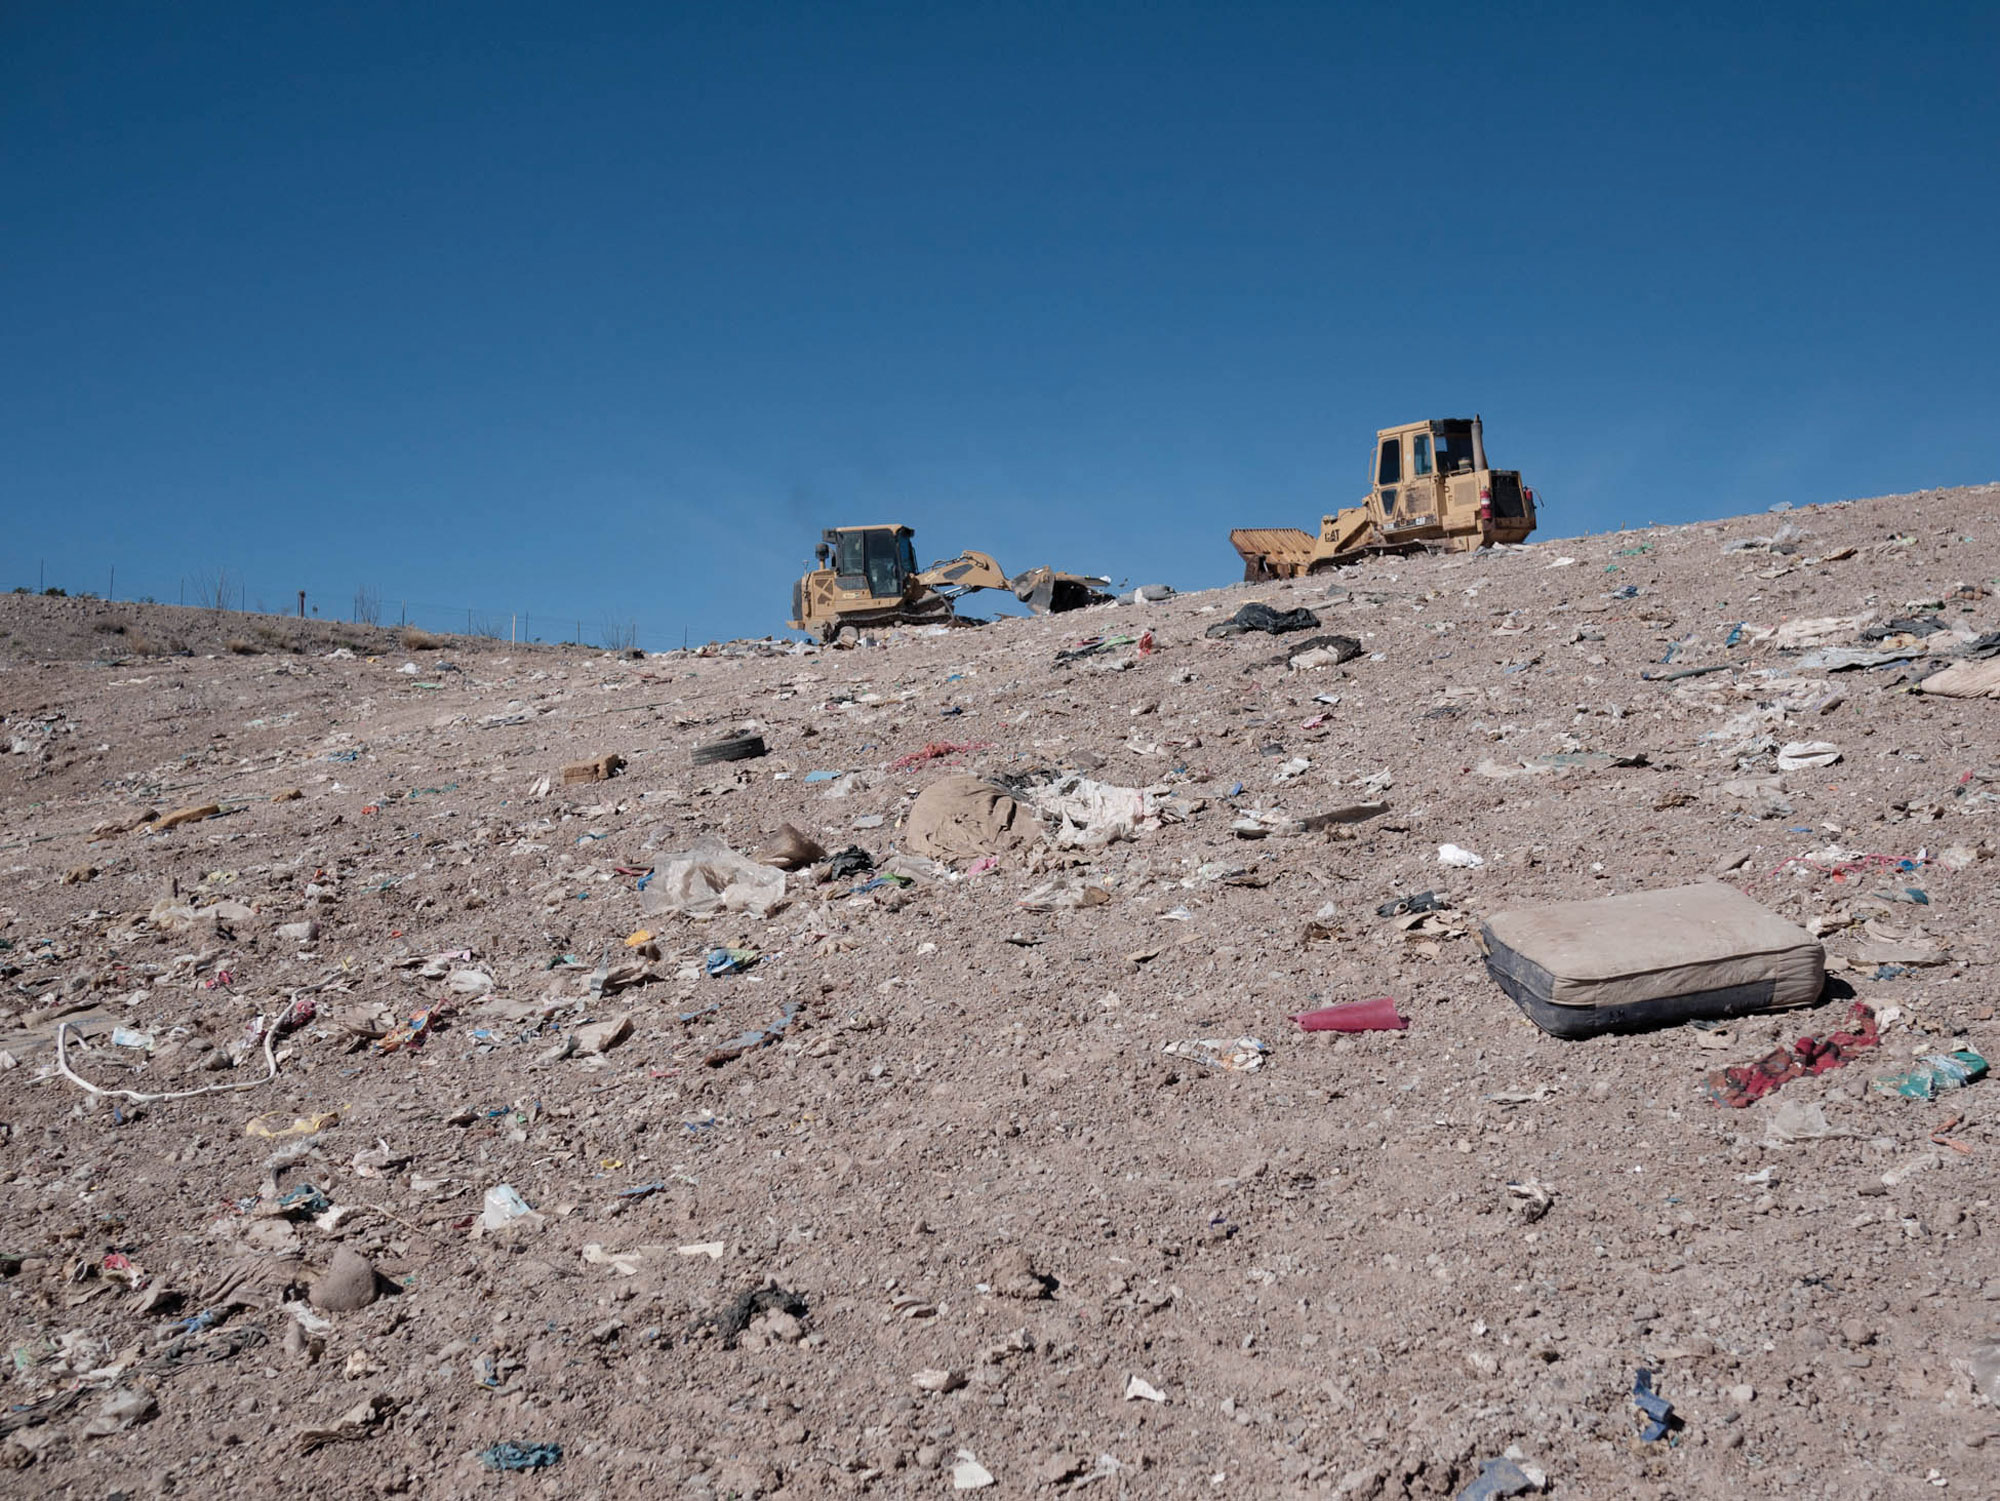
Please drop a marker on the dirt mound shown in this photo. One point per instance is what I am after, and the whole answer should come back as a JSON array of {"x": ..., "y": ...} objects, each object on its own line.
[{"x": 900, "y": 1185}]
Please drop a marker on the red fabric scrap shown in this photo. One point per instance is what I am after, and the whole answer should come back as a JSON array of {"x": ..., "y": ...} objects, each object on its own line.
[
  {"x": 937, "y": 750},
  {"x": 1743, "y": 1085}
]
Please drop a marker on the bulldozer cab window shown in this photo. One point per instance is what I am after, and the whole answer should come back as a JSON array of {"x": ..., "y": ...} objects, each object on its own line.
[
  {"x": 1389, "y": 470},
  {"x": 1420, "y": 455},
  {"x": 1454, "y": 448},
  {"x": 884, "y": 554},
  {"x": 906, "y": 556},
  {"x": 848, "y": 558}
]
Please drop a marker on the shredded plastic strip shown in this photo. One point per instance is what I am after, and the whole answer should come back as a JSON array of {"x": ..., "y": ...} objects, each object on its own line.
[{"x": 63, "y": 1068}]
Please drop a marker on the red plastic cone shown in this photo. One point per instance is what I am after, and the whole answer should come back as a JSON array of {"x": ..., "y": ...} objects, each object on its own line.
[{"x": 1356, "y": 1016}]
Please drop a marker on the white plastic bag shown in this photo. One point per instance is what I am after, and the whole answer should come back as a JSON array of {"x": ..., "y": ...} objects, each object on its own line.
[{"x": 711, "y": 879}]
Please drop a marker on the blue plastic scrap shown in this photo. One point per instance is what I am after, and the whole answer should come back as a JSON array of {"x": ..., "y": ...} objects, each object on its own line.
[
  {"x": 730, "y": 961},
  {"x": 824, "y": 776},
  {"x": 1659, "y": 1411},
  {"x": 508, "y": 1455},
  {"x": 1497, "y": 1478},
  {"x": 305, "y": 1198}
]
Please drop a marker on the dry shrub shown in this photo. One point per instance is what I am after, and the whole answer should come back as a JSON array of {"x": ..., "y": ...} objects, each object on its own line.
[
  {"x": 243, "y": 648},
  {"x": 416, "y": 640}
]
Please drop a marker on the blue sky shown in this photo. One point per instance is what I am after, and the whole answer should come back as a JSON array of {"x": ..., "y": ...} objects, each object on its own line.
[{"x": 600, "y": 312}]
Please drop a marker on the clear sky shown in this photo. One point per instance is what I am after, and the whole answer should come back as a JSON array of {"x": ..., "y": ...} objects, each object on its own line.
[{"x": 602, "y": 311}]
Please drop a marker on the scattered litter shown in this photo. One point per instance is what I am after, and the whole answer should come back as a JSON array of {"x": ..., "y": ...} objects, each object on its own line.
[
  {"x": 1233, "y": 1055},
  {"x": 603, "y": 769},
  {"x": 358, "y": 1422},
  {"x": 1657, "y": 1413},
  {"x": 1520, "y": 1096},
  {"x": 710, "y": 879},
  {"x": 1800, "y": 1120},
  {"x": 1965, "y": 680},
  {"x": 624, "y": 1263},
  {"x": 750, "y": 1041},
  {"x": 742, "y": 746},
  {"x": 1933, "y": 1074},
  {"x": 1501, "y": 1478},
  {"x": 729, "y": 1322},
  {"x": 962, "y": 818},
  {"x": 852, "y": 861},
  {"x": 181, "y": 816},
  {"x": 729, "y": 961},
  {"x": 1354, "y": 1016},
  {"x": 1530, "y": 1199},
  {"x": 509, "y": 1455},
  {"x": 1459, "y": 859},
  {"x": 937, "y": 751},
  {"x": 1261, "y": 617},
  {"x": 1138, "y": 1389},
  {"x": 1087, "y": 813},
  {"x": 504, "y": 1207},
  {"x": 1740, "y": 1086},
  {"x": 969, "y": 1474},
  {"x": 792, "y": 850},
  {"x": 598, "y": 1038},
  {"x": 1422, "y": 901},
  {"x": 1802, "y": 755},
  {"x": 1316, "y": 652},
  {"x": 712, "y": 1249}
]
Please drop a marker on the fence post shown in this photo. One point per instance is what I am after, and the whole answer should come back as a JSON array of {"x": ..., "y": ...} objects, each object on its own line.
[{"x": 302, "y": 604}]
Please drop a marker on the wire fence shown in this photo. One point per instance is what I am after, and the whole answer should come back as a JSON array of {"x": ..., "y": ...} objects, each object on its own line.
[{"x": 222, "y": 589}]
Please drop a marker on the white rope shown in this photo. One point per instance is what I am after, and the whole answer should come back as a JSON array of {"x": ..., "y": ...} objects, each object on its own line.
[{"x": 62, "y": 1067}]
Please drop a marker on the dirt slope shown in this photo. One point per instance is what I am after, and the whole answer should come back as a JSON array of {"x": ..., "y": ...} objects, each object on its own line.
[{"x": 969, "y": 1154}]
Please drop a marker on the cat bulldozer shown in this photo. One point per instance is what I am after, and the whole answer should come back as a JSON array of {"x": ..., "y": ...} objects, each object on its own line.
[
  {"x": 868, "y": 575},
  {"x": 1429, "y": 489}
]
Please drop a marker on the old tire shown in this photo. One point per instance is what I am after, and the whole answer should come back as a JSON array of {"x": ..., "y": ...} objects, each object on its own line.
[{"x": 735, "y": 748}]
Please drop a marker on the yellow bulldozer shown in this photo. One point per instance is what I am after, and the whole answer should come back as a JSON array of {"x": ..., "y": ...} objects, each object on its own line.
[
  {"x": 868, "y": 575},
  {"x": 1429, "y": 488}
]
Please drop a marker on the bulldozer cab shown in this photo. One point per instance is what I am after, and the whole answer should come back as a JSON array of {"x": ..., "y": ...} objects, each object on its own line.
[
  {"x": 1433, "y": 475},
  {"x": 876, "y": 561}
]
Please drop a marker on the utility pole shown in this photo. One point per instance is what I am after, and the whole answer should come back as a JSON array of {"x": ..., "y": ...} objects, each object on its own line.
[{"x": 111, "y": 590}]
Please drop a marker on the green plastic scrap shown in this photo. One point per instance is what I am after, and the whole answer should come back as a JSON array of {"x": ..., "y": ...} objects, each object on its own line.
[
  {"x": 508, "y": 1455},
  {"x": 1934, "y": 1074}
]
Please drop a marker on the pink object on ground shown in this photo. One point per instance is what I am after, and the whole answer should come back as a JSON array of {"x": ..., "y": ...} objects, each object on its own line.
[{"x": 1356, "y": 1016}]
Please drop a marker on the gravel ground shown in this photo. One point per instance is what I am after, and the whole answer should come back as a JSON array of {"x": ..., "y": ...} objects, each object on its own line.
[{"x": 993, "y": 1228}]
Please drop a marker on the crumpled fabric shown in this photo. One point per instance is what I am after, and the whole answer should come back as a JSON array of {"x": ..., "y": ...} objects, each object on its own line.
[
  {"x": 1821, "y": 630},
  {"x": 1261, "y": 617},
  {"x": 1965, "y": 680},
  {"x": 709, "y": 880},
  {"x": 1740, "y": 1086},
  {"x": 961, "y": 818},
  {"x": 1088, "y": 814}
]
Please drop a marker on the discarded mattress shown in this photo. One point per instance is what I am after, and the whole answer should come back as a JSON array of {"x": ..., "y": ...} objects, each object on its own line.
[
  {"x": 1649, "y": 959},
  {"x": 960, "y": 818}
]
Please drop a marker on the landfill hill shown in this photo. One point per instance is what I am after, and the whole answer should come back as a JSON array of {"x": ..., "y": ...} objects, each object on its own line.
[{"x": 918, "y": 1196}]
